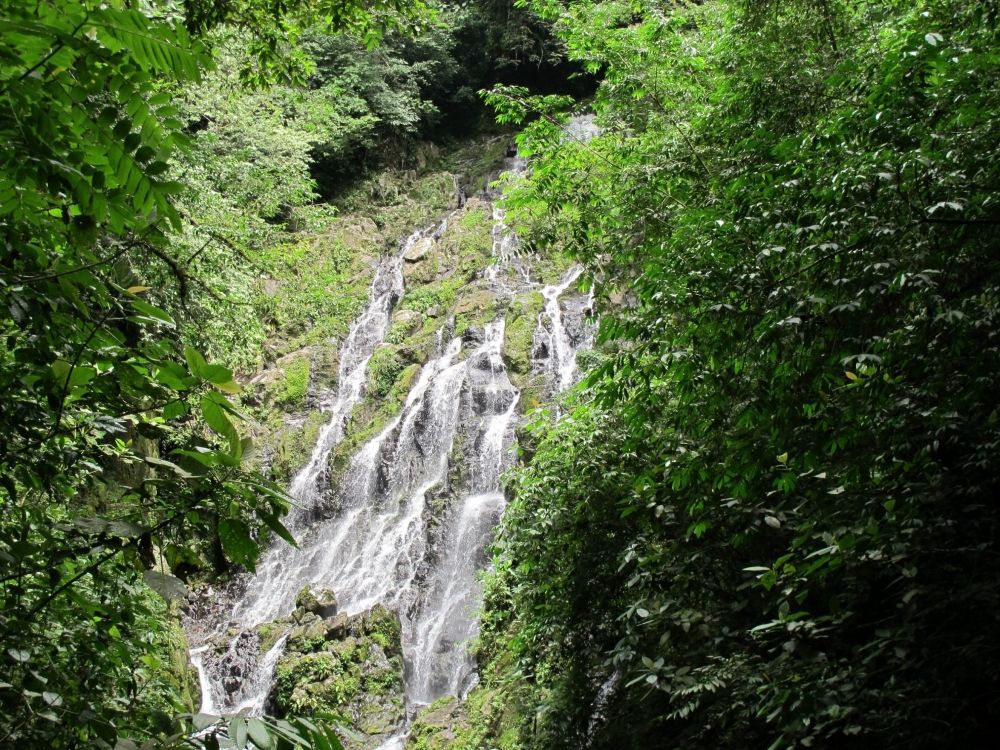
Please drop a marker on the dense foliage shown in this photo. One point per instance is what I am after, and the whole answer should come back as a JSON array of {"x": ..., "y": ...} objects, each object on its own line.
[
  {"x": 118, "y": 438},
  {"x": 771, "y": 522},
  {"x": 767, "y": 520}
]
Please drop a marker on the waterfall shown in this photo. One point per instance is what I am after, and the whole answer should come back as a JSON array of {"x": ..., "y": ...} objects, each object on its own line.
[
  {"x": 418, "y": 501},
  {"x": 552, "y": 340}
]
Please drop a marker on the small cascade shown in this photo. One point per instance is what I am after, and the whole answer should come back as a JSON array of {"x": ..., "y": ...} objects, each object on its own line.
[
  {"x": 554, "y": 347},
  {"x": 598, "y": 715},
  {"x": 208, "y": 706},
  {"x": 379, "y": 540},
  {"x": 367, "y": 332},
  {"x": 407, "y": 523},
  {"x": 506, "y": 255}
]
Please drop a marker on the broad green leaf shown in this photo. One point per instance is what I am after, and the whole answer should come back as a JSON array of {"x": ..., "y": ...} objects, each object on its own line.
[{"x": 234, "y": 535}]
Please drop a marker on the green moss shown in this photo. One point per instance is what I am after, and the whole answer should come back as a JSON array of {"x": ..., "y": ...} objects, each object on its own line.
[
  {"x": 269, "y": 633},
  {"x": 443, "y": 725},
  {"x": 476, "y": 161},
  {"x": 550, "y": 269},
  {"x": 437, "y": 297},
  {"x": 488, "y": 718},
  {"x": 384, "y": 369},
  {"x": 291, "y": 390},
  {"x": 349, "y": 650},
  {"x": 292, "y": 445},
  {"x": 294, "y": 672},
  {"x": 382, "y": 681},
  {"x": 519, "y": 334},
  {"x": 319, "y": 284},
  {"x": 398, "y": 201},
  {"x": 468, "y": 243},
  {"x": 369, "y": 417},
  {"x": 308, "y": 638},
  {"x": 475, "y": 308},
  {"x": 341, "y": 690},
  {"x": 405, "y": 324},
  {"x": 180, "y": 673},
  {"x": 384, "y": 624}
]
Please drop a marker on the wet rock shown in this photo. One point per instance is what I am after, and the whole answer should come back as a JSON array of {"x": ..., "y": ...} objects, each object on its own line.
[
  {"x": 473, "y": 335},
  {"x": 233, "y": 657},
  {"x": 321, "y": 602},
  {"x": 336, "y": 627},
  {"x": 411, "y": 355},
  {"x": 348, "y": 665},
  {"x": 419, "y": 249}
]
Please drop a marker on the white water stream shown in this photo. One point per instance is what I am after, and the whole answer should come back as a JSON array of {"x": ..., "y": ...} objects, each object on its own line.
[{"x": 438, "y": 461}]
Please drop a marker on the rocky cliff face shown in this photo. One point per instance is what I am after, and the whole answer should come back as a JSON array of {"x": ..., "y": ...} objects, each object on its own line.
[{"x": 393, "y": 435}]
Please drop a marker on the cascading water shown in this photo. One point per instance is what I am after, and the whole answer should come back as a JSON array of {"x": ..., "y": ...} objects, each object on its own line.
[
  {"x": 446, "y": 618},
  {"x": 440, "y": 457},
  {"x": 306, "y": 490},
  {"x": 553, "y": 343}
]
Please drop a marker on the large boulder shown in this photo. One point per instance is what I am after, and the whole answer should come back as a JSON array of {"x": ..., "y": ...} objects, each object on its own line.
[
  {"x": 321, "y": 601},
  {"x": 418, "y": 249},
  {"x": 440, "y": 726},
  {"x": 348, "y": 665},
  {"x": 406, "y": 323}
]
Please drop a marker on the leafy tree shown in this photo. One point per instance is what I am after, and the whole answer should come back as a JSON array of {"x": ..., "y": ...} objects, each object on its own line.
[{"x": 118, "y": 438}]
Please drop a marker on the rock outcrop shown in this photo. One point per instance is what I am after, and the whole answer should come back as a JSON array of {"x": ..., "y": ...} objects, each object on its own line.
[{"x": 351, "y": 666}]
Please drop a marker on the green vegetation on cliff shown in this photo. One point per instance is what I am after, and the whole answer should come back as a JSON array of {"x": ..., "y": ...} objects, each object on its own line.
[{"x": 771, "y": 522}]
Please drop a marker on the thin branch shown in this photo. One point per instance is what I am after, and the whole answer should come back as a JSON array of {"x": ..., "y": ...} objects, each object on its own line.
[
  {"x": 45, "y": 601},
  {"x": 73, "y": 366},
  {"x": 87, "y": 266},
  {"x": 981, "y": 222}
]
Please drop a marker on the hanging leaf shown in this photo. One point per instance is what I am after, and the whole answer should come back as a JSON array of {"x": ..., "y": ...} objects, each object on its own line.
[{"x": 239, "y": 546}]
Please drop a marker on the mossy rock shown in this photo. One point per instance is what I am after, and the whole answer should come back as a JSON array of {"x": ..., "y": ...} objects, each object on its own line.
[
  {"x": 535, "y": 390},
  {"x": 440, "y": 726},
  {"x": 474, "y": 308},
  {"x": 308, "y": 637},
  {"x": 467, "y": 244},
  {"x": 320, "y": 601},
  {"x": 323, "y": 281},
  {"x": 326, "y": 365},
  {"x": 382, "y": 626},
  {"x": 384, "y": 368},
  {"x": 269, "y": 633},
  {"x": 291, "y": 444},
  {"x": 418, "y": 250},
  {"x": 439, "y": 296},
  {"x": 352, "y": 673},
  {"x": 519, "y": 334},
  {"x": 424, "y": 341},
  {"x": 373, "y": 413},
  {"x": 292, "y": 385},
  {"x": 405, "y": 323},
  {"x": 550, "y": 269}
]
